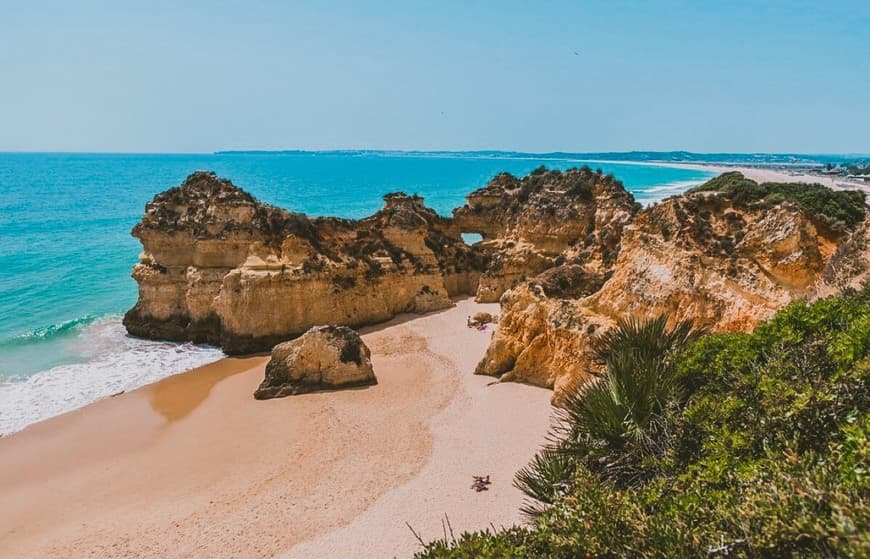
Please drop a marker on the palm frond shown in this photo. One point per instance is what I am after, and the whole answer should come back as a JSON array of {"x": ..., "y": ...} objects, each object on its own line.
[
  {"x": 544, "y": 479},
  {"x": 614, "y": 421}
]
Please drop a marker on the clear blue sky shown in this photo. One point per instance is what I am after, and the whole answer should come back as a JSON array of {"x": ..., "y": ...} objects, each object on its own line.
[{"x": 179, "y": 76}]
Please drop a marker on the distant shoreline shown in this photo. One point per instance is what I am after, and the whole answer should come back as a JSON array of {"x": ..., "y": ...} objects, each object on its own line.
[
  {"x": 652, "y": 156},
  {"x": 760, "y": 167},
  {"x": 771, "y": 159},
  {"x": 762, "y": 174}
]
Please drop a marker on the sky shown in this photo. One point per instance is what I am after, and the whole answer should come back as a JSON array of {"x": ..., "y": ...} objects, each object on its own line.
[{"x": 197, "y": 76}]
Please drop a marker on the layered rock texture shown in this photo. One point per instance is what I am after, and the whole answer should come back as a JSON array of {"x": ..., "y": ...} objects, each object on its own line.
[
  {"x": 717, "y": 257},
  {"x": 324, "y": 358},
  {"x": 566, "y": 254},
  {"x": 849, "y": 267},
  {"x": 545, "y": 219},
  {"x": 220, "y": 267}
]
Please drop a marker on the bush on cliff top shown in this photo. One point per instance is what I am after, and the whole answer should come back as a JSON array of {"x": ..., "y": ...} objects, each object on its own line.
[
  {"x": 839, "y": 209},
  {"x": 765, "y": 454}
]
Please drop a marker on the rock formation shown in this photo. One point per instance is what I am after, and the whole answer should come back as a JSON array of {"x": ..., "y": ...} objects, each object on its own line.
[
  {"x": 544, "y": 219},
  {"x": 483, "y": 318},
  {"x": 566, "y": 253},
  {"x": 220, "y": 267},
  {"x": 706, "y": 256},
  {"x": 325, "y": 357},
  {"x": 849, "y": 267}
]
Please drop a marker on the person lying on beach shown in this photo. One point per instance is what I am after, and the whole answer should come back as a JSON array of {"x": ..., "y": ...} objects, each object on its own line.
[{"x": 480, "y": 483}]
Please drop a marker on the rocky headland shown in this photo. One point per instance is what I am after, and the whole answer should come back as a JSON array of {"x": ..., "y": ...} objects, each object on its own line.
[
  {"x": 565, "y": 253},
  {"x": 724, "y": 257},
  {"x": 220, "y": 267}
]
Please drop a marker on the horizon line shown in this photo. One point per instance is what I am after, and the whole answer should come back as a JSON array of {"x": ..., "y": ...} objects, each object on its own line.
[{"x": 543, "y": 154}]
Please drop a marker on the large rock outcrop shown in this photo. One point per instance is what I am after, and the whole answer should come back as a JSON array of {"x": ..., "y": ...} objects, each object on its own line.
[
  {"x": 566, "y": 253},
  {"x": 708, "y": 256},
  {"x": 324, "y": 358},
  {"x": 220, "y": 267},
  {"x": 545, "y": 219},
  {"x": 849, "y": 267}
]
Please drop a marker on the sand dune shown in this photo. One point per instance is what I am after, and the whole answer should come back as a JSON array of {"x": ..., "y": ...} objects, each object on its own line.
[{"x": 759, "y": 174}]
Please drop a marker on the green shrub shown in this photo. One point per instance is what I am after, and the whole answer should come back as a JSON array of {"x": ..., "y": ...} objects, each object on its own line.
[
  {"x": 613, "y": 425},
  {"x": 765, "y": 453},
  {"x": 511, "y": 543},
  {"x": 839, "y": 209},
  {"x": 545, "y": 479}
]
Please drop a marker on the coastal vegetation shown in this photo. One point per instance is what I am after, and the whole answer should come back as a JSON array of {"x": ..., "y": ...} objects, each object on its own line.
[
  {"x": 858, "y": 168},
  {"x": 839, "y": 209},
  {"x": 706, "y": 445}
]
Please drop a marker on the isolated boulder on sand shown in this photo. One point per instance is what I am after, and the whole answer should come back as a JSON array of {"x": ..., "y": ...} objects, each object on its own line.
[
  {"x": 324, "y": 358},
  {"x": 483, "y": 318}
]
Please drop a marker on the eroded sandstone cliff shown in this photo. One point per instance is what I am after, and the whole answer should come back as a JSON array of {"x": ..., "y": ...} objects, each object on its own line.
[
  {"x": 710, "y": 256},
  {"x": 220, "y": 267},
  {"x": 545, "y": 219},
  {"x": 567, "y": 253}
]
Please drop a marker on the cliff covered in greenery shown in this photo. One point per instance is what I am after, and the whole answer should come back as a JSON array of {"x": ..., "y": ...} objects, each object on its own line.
[
  {"x": 839, "y": 209},
  {"x": 692, "y": 445},
  {"x": 726, "y": 255}
]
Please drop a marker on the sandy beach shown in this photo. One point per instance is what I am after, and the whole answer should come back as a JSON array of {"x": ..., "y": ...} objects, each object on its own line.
[
  {"x": 758, "y": 174},
  {"x": 193, "y": 466},
  {"x": 775, "y": 175}
]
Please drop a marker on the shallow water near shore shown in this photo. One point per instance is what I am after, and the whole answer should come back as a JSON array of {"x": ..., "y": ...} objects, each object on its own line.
[{"x": 66, "y": 249}]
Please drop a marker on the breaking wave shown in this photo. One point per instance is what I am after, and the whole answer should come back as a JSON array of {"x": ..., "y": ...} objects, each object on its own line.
[{"x": 113, "y": 362}]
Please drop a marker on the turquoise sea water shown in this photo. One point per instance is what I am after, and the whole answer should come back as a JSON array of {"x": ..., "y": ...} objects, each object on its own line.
[{"x": 66, "y": 249}]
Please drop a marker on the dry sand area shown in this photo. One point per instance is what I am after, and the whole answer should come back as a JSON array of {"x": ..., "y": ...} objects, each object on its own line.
[
  {"x": 193, "y": 466},
  {"x": 778, "y": 175}
]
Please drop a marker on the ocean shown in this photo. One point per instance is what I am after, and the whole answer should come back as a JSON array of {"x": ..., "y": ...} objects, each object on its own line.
[{"x": 66, "y": 250}]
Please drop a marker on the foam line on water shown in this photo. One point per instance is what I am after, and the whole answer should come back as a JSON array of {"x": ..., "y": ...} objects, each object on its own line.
[
  {"x": 114, "y": 362},
  {"x": 658, "y": 193},
  {"x": 48, "y": 332}
]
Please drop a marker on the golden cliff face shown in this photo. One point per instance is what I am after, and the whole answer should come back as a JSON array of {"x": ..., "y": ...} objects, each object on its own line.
[
  {"x": 219, "y": 267},
  {"x": 849, "y": 267},
  {"x": 542, "y": 220},
  {"x": 566, "y": 253},
  {"x": 725, "y": 265}
]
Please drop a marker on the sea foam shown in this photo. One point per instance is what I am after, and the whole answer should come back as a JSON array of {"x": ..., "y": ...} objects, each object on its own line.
[
  {"x": 113, "y": 362},
  {"x": 66, "y": 251},
  {"x": 651, "y": 195}
]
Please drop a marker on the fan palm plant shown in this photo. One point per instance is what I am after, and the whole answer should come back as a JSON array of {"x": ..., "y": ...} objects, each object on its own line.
[
  {"x": 545, "y": 479},
  {"x": 621, "y": 417},
  {"x": 612, "y": 424}
]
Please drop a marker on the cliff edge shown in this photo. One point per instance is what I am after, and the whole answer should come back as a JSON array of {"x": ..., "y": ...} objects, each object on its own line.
[{"x": 726, "y": 257}]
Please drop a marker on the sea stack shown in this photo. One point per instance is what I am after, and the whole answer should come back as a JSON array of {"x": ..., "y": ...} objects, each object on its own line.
[{"x": 222, "y": 268}]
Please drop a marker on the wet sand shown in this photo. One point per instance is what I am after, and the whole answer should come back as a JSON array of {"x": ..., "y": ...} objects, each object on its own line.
[{"x": 193, "y": 466}]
